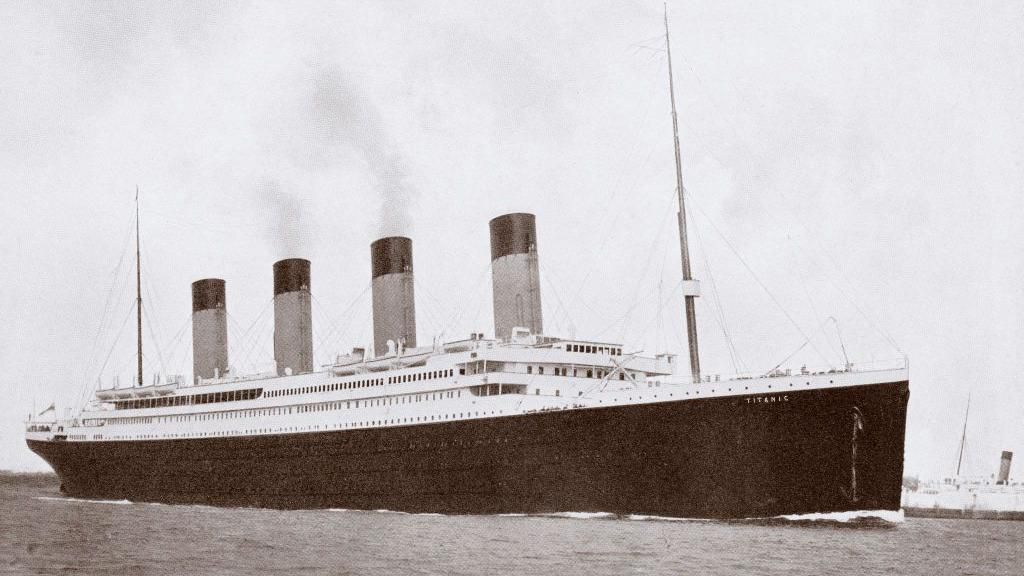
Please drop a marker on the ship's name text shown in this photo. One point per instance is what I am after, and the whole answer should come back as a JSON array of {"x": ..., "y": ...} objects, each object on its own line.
[{"x": 768, "y": 399}]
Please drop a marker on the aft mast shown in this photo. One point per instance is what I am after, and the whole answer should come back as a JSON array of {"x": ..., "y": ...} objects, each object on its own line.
[
  {"x": 690, "y": 286},
  {"x": 963, "y": 438},
  {"x": 138, "y": 290}
]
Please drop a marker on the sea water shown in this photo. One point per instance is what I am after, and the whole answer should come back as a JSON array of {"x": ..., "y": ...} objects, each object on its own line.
[{"x": 42, "y": 532}]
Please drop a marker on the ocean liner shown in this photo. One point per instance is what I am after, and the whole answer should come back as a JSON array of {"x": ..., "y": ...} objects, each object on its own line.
[{"x": 520, "y": 422}]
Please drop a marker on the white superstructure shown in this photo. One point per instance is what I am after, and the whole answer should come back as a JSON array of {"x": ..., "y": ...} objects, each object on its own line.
[{"x": 469, "y": 379}]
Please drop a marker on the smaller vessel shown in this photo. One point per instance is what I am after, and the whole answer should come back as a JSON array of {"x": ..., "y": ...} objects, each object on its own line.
[{"x": 996, "y": 497}]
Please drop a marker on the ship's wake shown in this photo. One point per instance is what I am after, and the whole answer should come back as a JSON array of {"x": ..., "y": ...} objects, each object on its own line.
[
  {"x": 88, "y": 500},
  {"x": 855, "y": 519}
]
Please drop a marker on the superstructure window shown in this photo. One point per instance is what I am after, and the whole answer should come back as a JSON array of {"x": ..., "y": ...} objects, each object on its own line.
[
  {"x": 495, "y": 389},
  {"x": 192, "y": 399}
]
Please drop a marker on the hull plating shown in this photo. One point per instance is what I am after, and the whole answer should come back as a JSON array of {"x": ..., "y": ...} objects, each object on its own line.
[{"x": 825, "y": 450}]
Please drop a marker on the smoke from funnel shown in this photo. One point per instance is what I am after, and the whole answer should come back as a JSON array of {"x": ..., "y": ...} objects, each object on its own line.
[
  {"x": 343, "y": 116},
  {"x": 289, "y": 227}
]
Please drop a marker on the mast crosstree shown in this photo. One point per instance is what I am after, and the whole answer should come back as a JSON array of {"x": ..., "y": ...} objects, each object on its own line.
[{"x": 690, "y": 286}]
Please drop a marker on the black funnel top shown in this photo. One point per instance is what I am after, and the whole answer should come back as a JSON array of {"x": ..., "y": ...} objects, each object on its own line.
[
  {"x": 513, "y": 234},
  {"x": 291, "y": 275},
  {"x": 207, "y": 294},
  {"x": 391, "y": 255}
]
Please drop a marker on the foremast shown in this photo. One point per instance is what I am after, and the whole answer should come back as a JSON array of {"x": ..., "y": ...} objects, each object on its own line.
[
  {"x": 138, "y": 292},
  {"x": 690, "y": 286}
]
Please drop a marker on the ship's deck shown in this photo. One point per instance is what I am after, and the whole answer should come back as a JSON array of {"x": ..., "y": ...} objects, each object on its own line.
[{"x": 483, "y": 382}]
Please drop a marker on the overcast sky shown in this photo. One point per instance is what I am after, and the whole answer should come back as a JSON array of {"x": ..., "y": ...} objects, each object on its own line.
[{"x": 852, "y": 160}]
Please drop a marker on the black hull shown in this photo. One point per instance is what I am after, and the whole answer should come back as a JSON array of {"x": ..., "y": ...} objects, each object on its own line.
[{"x": 732, "y": 457}]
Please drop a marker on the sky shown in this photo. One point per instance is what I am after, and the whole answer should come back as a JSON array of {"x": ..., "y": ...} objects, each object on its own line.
[{"x": 854, "y": 176}]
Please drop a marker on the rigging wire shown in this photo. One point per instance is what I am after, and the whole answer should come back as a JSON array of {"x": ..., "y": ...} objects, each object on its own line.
[
  {"x": 546, "y": 277},
  {"x": 118, "y": 284},
  {"x": 656, "y": 241},
  {"x": 365, "y": 330},
  {"x": 729, "y": 118},
  {"x": 318, "y": 317},
  {"x": 616, "y": 188},
  {"x": 856, "y": 304},
  {"x": 118, "y": 338},
  {"x": 458, "y": 316},
  {"x": 662, "y": 304},
  {"x": 437, "y": 313},
  {"x": 154, "y": 322},
  {"x": 339, "y": 322},
  {"x": 814, "y": 310},
  {"x": 556, "y": 315},
  {"x": 660, "y": 337},
  {"x": 718, "y": 309},
  {"x": 757, "y": 279},
  {"x": 249, "y": 344},
  {"x": 629, "y": 311},
  {"x": 821, "y": 328},
  {"x": 176, "y": 340},
  {"x": 846, "y": 359}
]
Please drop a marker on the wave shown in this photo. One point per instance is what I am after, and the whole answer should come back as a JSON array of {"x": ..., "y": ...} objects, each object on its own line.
[
  {"x": 859, "y": 518},
  {"x": 579, "y": 515},
  {"x": 871, "y": 519},
  {"x": 89, "y": 500},
  {"x": 4, "y": 473},
  {"x": 645, "y": 518},
  {"x": 891, "y": 516}
]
